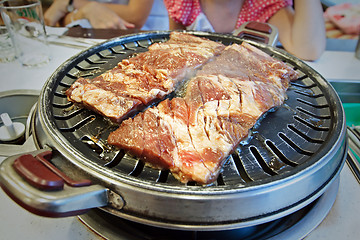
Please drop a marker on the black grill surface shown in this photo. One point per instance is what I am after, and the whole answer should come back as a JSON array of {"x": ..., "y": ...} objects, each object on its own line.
[{"x": 282, "y": 141}]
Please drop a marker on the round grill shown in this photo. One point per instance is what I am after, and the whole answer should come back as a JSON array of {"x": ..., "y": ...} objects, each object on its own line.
[{"x": 291, "y": 156}]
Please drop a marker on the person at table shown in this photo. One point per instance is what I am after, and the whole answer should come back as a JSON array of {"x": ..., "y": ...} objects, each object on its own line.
[
  {"x": 301, "y": 27},
  {"x": 132, "y": 14}
]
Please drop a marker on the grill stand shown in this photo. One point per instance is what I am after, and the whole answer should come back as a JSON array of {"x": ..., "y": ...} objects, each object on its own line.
[{"x": 294, "y": 226}]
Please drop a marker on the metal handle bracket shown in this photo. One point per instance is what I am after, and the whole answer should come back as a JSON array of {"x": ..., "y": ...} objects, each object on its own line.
[
  {"x": 68, "y": 201},
  {"x": 258, "y": 31}
]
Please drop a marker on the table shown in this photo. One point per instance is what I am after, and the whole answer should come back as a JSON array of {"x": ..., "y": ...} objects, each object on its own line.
[{"x": 17, "y": 223}]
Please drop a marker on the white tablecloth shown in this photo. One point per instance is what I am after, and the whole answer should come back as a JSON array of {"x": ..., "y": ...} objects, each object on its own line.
[{"x": 17, "y": 223}]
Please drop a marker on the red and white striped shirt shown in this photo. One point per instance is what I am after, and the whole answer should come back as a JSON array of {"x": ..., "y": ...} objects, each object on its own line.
[{"x": 185, "y": 12}]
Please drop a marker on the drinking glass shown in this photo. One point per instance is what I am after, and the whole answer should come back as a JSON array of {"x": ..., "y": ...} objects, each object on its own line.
[
  {"x": 7, "y": 53},
  {"x": 25, "y": 23}
]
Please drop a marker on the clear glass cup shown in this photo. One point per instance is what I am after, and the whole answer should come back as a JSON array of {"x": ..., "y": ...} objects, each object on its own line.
[
  {"x": 25, "y": 23},
  {"x": 7, "y": 52}
]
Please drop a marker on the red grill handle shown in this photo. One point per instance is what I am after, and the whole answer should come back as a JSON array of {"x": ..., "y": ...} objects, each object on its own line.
[
  {"x": 40, "y": 173},
  {"x": 47, "y": 154},
  {"x": 39, "y": 187},
  {"x": 37, "y": 174}
]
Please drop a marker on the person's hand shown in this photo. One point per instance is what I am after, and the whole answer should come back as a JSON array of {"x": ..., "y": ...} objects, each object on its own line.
[
  {"x": 55, "y": 12},
  {"x": 101, "y": 16}
]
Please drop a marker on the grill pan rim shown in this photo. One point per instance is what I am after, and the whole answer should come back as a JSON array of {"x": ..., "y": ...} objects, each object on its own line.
[
  {"x": 324, "y": 202},
  {"x": 252, "y": 187},
  {"x": 189, "y": 189},
  {"x": 229, "y": 225}
]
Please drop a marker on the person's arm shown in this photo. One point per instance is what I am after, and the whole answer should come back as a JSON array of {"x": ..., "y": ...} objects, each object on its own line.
[
  {"x": 55, "y": 12},
  {"x": 175, "y": 26},
  {"x": 99, "y": 16},
  {"x": 103, "y": 15},
  {"x": 302, "y": 32},
  {"x": 136, "y": 12}
]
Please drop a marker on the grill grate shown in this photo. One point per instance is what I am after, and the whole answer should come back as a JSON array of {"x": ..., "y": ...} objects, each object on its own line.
[{"x": 284, "y": 139}]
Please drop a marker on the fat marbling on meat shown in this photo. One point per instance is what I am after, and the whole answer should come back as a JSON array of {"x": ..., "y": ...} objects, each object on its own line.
[
  {"x": 192, "y": 135},
  {"x": 138, "y": 81}
]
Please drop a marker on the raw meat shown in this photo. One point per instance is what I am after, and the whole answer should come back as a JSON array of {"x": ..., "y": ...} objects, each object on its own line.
[
  {"x": 193, "y": 135},
  {"x": 139, "y": 81}
]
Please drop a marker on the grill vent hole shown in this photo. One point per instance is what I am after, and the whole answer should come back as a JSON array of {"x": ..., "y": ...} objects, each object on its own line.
[
  {"x": 312, "y": 105},
  {"x": 132, "y": 48},
  {"x": 191, "y": 183},
  {"x": 299, "y": 79},
  {"x": 87, "y": 69},
  {"x": 312, "y": 125},
  {"x": 63, "y": 84},
  {"x": 304, "y": 136},
  {"x": 92, "y": 144},
  {"x": 117, "y": 51},
  {"x": 67, "y": 105},
  {"x": 279, "y": 154},
  {"x": 261, "y": 161},
  {"x": 220, "y": 180},
  {"x": 309, "y": 94},
  {"x": 79, "y": 124},
  {"x": 119, "y": 156},
  {"x": 85, "y": 75},
  {"x": 163, "y": 177},
  {"x": 95, "y": 62},
  {"x": 294, "y": 146},
  {"x": 138, "y": 169},
  {"x": 312, "y": 114},
  {"x": 144, "y": 44},
  {"x": 71, "y": 115},
  {"x": 61, "y": 95},
  {"x": 241, "y": 169},
  {"x": 101, "y": 55},
  {"x": 69, "y": 75}
]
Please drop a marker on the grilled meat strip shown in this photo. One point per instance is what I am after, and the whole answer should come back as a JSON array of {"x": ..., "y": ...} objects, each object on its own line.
[
  {"x": 193, "y": 135},
  {"x": 138, "y": 81}
]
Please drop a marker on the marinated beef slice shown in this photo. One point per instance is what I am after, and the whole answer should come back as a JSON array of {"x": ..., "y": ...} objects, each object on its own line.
[
  {"x": 138, "y": 81},
  {"x": 193, "y": 135}
]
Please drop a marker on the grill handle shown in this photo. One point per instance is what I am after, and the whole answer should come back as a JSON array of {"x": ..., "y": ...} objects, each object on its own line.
[
  {"x": 29, "y": 180},
  {"x": 258, "y": 31}
]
